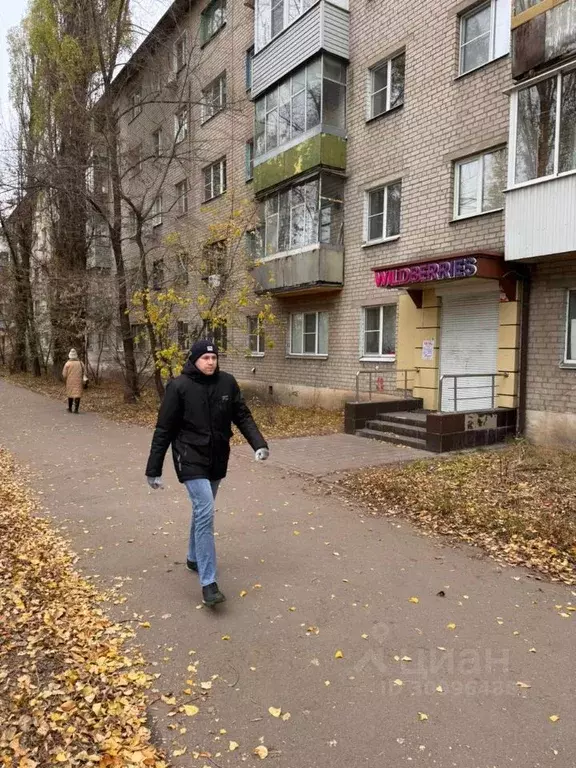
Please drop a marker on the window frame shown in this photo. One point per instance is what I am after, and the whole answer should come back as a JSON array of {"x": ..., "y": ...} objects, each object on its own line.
[
  {"x": 205, "y": 18},
  {"x": 317, "y": 352},
  {"x": 249, "y": 68},
  {"x": 371, "y": 92},
  {"x": 380, "y": 356},
  {"x": 157, "y": 143},
  {"x": 568, "y": 361},
  {"x": 492, "y": 54},
  {"x": 456, "y": 216},
  {"x": 158, "y": 274},
  {"x": 258, "y": 335},
  {"x": 157, "y": 212},
  {"x": 249, "y": 160},
  {"x": 181, "y": 127},
  {"x": 221, "y": 165},
  {"x": 135, "y": 103},
  {"x": 211, "y": 107},
  {"x": 558, "y": 74},
  {"x": 367, "y": 215},
  {"x": 180, "y": 61},
  {"x": 182, "y": 188},
  {"x": 300, "y": 74}
]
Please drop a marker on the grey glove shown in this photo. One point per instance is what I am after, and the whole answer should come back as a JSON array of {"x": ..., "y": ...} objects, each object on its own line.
[
  {"x": 155, "y": 483},
  {"x": 262, "y": 454}
]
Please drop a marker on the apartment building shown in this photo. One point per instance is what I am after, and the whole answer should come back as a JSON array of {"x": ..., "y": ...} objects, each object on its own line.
[
  {"x": 391, "y": 177},
  {"x": 185, "y": 140},
  {"x": 541, "y": 209},
  {"x": 405, "y": 240}
]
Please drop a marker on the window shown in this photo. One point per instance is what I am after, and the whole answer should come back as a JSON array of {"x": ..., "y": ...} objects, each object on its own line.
[
  {"x": 135, "y": 103},
  {"x": 4, "y": 258},
  {"x": 213, "y": 260},
  {"x": 304, "y": 215},
  {"x": 180, "y": 53},
  {"x": 214, "y": 97},
  {"x": 158, "y": 274},
  {"x": 272, "y": 16},
  {"x": 183, "y": 335},
  {"x": 215, "y": 179},
  {"x": 383, "y": 212},
  {"x": 135, "y": 160},
  {"x": 309, "y": 333},
  {"x": 182, "y": 197},
  {"x": 479, "y": 184},
  {"x": 313, "y": 95},
  {"x": 157, "y": 143},
  {"x": 256, "y": 341},
  {"x": 217, "y": 331},
  {"x": 379, "y": 331},
  {"x": 253, "y": 244},
  {"x": 132, "y": 223},
  {"x": 182, "y": 276},
  {"x": 181, "y": 124},
  {"x": 138, "y": 331},
  {"x": 570, "y": 352},
  {"x": 544, "y": 128},
  {"x": 249, "y": 63},
  {"x": 213, "y": 19},
  {"x": 249, "y": 160},
  {"x": 387, "y": 85},
  {"x": 157, "y": 212},
  {"x": 484, "y": 34}
]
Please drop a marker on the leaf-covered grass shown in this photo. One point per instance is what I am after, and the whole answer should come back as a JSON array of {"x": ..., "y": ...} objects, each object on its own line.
[
  {"x": 518, "y": 503},
  {"x": 275, "y": 421},
  {"x": 70, "y": 692}
]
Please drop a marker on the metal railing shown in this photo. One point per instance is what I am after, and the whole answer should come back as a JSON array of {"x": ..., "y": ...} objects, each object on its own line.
[
  {"x": 375, "y": 372},
  {"x": 457, "y": 376}
]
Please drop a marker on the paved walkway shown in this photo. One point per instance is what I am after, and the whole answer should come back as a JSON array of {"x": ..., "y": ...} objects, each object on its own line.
[{"x": 308, "y": 560}]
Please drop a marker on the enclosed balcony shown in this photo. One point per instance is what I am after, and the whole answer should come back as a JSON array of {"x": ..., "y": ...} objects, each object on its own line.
[
  {"x": 290, "y": 32},
  {"x": 541, "y": 199},
  {"x": 302, "y": 236}
]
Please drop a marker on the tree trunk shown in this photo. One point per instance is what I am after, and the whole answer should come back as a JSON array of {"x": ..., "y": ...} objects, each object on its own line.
[{"x": 131, "y": 386}]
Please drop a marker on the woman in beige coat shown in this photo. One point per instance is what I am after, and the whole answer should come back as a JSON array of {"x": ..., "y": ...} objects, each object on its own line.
[{"x": 73, "y": 375}]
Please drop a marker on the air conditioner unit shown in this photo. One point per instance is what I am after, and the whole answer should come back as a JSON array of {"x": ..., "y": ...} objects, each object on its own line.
[{"x": 214, "y": 281}]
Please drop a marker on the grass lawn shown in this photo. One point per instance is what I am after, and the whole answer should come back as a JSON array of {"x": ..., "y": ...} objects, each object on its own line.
[
  {"x": 518, "y": 503},
  {"x": 275, "y": 421}
]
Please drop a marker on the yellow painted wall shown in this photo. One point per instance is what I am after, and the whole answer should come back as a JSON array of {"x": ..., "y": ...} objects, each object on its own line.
[{"x": 416, "y": 325}]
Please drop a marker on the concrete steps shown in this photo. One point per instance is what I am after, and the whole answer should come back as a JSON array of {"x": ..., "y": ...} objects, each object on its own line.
[{"x": 401, "y": 428}]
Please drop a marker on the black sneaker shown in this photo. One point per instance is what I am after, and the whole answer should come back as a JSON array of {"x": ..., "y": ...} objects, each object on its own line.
[
  {"x": 211, "y": 595},
  {"x": 192, "y": 565}
]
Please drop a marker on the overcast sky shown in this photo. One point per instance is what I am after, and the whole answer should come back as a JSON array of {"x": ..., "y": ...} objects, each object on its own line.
[{"x": 145, "y": 14}]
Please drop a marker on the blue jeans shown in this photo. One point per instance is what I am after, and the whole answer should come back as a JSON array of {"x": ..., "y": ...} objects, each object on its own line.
[{"x": 201, "y": 547}]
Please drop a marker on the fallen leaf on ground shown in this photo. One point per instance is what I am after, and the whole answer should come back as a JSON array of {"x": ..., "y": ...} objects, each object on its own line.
[
  {"x": 275, "y": 711},
  {"x": 225, "y": 637},
  {"x": 261, "y": 751},
  {"x": 398, "y": 682},
  {"x": 413, "y": 600},
  {"x": 338, "y": 655},
  {"x": 422, "y": 716},
  {"x": 190, "y": 710},
  {"x": 233, "y": 745},
  {"x": 451, "y": 625},
  {"x": 243, "y": 593},
  {"x": 554, "y": 718},
  {"x": 523, "y": 685}
]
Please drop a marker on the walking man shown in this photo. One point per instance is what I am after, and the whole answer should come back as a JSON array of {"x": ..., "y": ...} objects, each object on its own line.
[{"x": 196, "y": 416}]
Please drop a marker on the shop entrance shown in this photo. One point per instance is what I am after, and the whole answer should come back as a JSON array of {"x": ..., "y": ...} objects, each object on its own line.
[{"x": 469, "y": 345}]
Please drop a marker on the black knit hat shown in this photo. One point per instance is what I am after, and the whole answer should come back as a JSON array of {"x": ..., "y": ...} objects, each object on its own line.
[{"x": 202, "y": 347}]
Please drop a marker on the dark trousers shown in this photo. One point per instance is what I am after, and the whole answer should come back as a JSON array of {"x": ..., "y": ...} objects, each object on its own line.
[{"x": 73, "y": 401}]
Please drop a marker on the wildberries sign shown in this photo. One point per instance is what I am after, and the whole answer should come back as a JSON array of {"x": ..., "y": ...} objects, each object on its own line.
[{"x": 427, "y": 272}]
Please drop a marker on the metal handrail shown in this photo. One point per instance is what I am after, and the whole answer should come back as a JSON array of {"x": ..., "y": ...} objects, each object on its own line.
[
  {"x": 370, "y": 372},
  {"x": 457, "y": 376}
]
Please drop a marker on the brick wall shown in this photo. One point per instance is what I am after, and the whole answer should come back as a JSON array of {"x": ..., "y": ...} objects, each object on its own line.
[
  {"x": 443, "y": 118},
  {"x": 550, "y": 387}
]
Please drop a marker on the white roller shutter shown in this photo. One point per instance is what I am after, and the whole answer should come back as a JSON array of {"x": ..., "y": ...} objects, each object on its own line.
[{"x": 469, "y": 344}]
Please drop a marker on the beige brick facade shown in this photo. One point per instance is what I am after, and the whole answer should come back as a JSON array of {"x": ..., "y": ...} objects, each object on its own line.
[{"x": 444, "y": 117}]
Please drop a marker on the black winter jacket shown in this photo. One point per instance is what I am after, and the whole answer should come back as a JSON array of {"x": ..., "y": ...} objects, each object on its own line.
[{"x": 196, "y": 417}]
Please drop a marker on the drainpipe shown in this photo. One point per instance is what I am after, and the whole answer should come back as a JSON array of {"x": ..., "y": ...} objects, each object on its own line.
[{"x": 523, "y": 373}]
